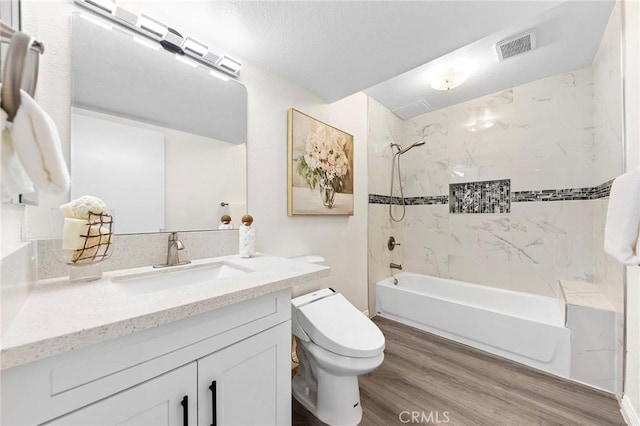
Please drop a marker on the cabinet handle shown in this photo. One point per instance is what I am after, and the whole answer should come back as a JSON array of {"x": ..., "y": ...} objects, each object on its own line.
[
  {"x": 214, "y": 416},
  {"x": 185, "y": 410}
]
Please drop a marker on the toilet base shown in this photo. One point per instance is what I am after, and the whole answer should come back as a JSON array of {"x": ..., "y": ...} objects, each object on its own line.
[{"x": 337, "y": 401}]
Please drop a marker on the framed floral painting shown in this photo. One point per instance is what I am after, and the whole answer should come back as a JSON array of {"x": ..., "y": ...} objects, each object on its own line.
[{"x": 320, "y": 176}]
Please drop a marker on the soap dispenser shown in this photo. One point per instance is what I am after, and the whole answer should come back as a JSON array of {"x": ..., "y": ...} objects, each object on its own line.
[{"x": 247, "y": 242}]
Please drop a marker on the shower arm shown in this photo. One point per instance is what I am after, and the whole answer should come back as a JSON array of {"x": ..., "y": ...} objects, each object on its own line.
[
  {"x": 401, "y": 150},
  {"x": 413, "y": 145}
]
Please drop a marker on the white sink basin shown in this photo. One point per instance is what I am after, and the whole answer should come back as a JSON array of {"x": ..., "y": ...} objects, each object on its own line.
[{"x": 177, "y": 276}]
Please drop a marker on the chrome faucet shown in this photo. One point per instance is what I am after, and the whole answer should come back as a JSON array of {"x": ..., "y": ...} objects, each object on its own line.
[
  {"x": 395, "y": 266},
  {"x": 174, "y": 246}
]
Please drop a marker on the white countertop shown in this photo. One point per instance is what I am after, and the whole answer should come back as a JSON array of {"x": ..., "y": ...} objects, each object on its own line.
[{"x": 58, "y": 316}]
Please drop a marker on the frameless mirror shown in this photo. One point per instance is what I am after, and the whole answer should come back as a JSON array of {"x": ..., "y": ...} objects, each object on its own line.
[{"x": 161, "y": 139}]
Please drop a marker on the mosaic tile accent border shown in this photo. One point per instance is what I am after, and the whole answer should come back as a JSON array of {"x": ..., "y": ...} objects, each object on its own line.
[
  {"x": 492, "y": 196},
  {"x": 433, "y": 199},
  {"x": 570, "y": 194},
  {"x": 382, "y": 199},
  {"x": 409, "y": 201}
]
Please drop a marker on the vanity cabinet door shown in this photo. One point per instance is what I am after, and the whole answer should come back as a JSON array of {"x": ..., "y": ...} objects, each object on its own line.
[
  {"x": 248, "y": 383},
  {"x": 169, "y": 399}
]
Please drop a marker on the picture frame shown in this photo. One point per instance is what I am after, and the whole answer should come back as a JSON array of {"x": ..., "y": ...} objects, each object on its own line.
[{"x": 320, "y": 167}]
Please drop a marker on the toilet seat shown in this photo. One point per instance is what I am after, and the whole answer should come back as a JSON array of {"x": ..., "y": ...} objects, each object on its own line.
[{"x": 337, "y": 326}]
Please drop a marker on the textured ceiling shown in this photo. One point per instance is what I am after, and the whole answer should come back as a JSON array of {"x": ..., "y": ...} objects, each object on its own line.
[
  {"x": 337, "y": 48},
  {"x": 567, "y": 36}
]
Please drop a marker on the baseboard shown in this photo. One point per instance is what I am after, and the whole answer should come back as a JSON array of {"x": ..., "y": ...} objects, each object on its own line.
[
  {"x": 366, "y": 312},
  {"x": 628, "y": 413}
]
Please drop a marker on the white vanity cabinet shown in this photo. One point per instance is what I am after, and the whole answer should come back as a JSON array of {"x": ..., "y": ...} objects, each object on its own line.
[
  {"x": 145, "y": 378},
  {"x": 239, "y": 381},
  {"x": 165, "y": 400}
]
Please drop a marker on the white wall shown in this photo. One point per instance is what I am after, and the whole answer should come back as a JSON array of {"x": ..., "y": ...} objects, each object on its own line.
[
  {"x": 50, "y": 22},
  {"x": 12, "y": 219},
  {"x": 341, "y": 240},
  {"x": 631, "y": 400},
  {"x": 347, "y": 244}
]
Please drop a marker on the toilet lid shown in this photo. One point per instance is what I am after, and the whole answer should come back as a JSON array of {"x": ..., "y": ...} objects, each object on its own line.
[{"x": 337, "y": 326}]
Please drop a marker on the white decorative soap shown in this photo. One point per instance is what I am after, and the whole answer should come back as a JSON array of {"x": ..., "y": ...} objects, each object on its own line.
[
  {"x": 74, "y": 233},
  {"x": 96, "y": 244},
  {"x": 80, "y": 207}
]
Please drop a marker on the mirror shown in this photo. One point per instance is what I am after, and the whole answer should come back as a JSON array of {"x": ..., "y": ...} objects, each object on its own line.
[{"x": 161, "y": 139}]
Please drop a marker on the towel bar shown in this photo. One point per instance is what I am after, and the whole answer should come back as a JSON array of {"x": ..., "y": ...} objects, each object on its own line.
[
  {"x": 20, "y": 68},
  {"x": 6, "y": 32}
]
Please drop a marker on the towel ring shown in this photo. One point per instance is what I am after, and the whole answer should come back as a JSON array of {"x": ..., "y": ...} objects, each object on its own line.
[{"x": 20, "y": 58}]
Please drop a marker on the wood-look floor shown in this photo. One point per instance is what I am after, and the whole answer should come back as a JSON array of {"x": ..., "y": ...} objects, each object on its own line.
[{"x": 428, "y": 374}]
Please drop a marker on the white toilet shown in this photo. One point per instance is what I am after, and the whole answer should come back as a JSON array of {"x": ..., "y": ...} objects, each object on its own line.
[{"x": 336, "y": 343}]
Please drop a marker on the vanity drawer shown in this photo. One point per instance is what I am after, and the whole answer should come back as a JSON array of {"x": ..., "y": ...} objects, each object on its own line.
[{"x": 66, "y": 382}]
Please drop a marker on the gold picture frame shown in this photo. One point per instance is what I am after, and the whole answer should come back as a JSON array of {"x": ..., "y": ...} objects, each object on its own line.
[{"x": 320, "y": 167}]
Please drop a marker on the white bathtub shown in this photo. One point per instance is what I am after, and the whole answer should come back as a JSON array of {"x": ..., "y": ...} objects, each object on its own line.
[{"x": 524, "y": 327}]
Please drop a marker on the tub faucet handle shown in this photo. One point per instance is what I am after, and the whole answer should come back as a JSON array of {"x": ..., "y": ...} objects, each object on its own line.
[{"x": 391, "y": 243}]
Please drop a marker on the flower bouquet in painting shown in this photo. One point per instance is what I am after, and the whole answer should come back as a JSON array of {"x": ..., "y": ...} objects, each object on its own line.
[{"x": 321, "y": 159}]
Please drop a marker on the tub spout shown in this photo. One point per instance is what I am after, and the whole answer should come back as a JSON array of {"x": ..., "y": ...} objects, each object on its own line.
[{"x": 395, "y": 266}]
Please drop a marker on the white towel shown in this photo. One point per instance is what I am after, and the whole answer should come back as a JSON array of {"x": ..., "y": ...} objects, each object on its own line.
[
  {"x": 14, "y": 179},
  {"x": 36, "y": 141},
  {"x": 623, "y": 219}
]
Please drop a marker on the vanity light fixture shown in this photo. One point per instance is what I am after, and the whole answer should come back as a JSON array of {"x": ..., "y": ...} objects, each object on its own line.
[
  {"x": 230, "y": 64},
  {"x": 170, "y": 39},
  {"x": 108, "y": 6},
  {"x": 196, "y": 47},
  {"x": 449, "y": 80},
  {"x": 150, "y": 24}
]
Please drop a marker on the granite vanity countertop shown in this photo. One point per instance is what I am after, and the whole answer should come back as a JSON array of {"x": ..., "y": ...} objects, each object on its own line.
[{"x": 58, "y": 316}]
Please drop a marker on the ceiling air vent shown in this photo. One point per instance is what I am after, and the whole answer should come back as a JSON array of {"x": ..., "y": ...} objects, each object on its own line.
[
  {"x": 516, "y": 45},
  {"x": 413, "y": 109}
]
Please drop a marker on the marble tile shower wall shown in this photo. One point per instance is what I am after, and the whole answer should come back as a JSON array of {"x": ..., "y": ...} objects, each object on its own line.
[
  {"x": 384, "y": 128},
  {"x": 543, "y": 138},
  {"x": 527, "y": 250},
  {"x": 558, "y": 140}
]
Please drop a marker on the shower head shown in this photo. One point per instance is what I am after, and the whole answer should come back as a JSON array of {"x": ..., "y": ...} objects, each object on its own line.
[{"x": 413, "y": 145}]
